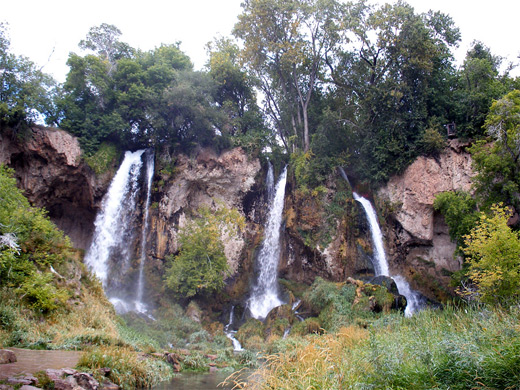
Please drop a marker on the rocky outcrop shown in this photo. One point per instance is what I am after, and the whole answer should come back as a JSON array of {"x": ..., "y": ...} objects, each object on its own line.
[
  {"x": 322, "y": 242},
  {"x": 418, "y": 242},
  {"x": 7, "y": 356},
  {"x": 49, "y": 168},
  {"x": 209, "y": 180}
]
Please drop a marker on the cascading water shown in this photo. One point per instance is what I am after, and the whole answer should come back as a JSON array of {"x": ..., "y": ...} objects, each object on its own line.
[
  {"x": 139, "y": 305},
  {"x": 264, "y": 295},
  {"x": 110, "y": 232},
  {"x": 269, "y": 182},
  {"x": 381, "y": 263},
  {"x": 230, "y": 333}
]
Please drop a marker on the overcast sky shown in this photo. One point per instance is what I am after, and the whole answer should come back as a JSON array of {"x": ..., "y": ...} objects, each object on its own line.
[{"x": 46, "y": 31}]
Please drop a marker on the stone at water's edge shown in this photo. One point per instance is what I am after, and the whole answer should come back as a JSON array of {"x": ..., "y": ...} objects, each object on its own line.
[{"x": 7, "y": 356}]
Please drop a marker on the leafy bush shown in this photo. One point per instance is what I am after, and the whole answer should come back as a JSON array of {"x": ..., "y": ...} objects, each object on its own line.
[
  {"x": 494, "y": 258},
  {"x": 459, "y": 211},
  {"x": 103, "y": 158},
  {"x": 201, "y": 265}
]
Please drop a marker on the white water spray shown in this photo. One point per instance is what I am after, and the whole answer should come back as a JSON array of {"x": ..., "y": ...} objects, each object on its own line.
[
  {"x": 264, "y": 295},
  {"x": 381, "y": 263},
  {"x": 230, "y": 334},
  {"x": 139, "y": 305},
  {"x": 110, "y": 224}
]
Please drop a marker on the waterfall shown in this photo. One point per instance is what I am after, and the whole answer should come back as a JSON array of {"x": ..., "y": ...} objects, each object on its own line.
[
  {"x": 140, "y": 282},
  {"x": 110, "y": 226},
  {"x": 269, "y": 182},
  {"x": 264, "y": 295},
  {"x": 380, "y": 261},
  {"x": 230, "y": 334}
]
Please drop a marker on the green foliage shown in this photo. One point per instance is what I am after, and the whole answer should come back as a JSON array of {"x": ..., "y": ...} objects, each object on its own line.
[
  {"x": 103, "y": 159},
  {"x": 478, "y": 85},
  {"x": 251, "y": 334},
  {"x": 497, "y": 164},
  {"x": 201, "y": 265},
  {"x": 344, "y": 304},
  {"x": 25, "y": 91},
  {"x": 459, "y": 211},
  {"x": 493, "y": 250},
  {"x": 41, "y": 294},
  {"x": 432, "y": 142}
]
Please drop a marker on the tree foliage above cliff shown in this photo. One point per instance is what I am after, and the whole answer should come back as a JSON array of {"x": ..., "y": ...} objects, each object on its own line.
[
  {"x": 366, "y": 87},
  {"x": 137, "y": 98},
  {"x": 25, "y": 91}
]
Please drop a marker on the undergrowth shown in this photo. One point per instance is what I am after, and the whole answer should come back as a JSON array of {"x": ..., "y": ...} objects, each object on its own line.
[
  {"x": 455, "y": 348},
  {"x": 128, "y": 369}
]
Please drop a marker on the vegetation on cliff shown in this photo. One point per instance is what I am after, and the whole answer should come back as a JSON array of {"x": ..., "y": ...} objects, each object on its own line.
[{"x": 366, "y": 87}]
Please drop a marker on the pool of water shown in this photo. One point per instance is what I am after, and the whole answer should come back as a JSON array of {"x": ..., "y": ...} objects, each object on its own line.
[
  {"x": 206, "y": 381},
  {"x": 31, "y": 361}
]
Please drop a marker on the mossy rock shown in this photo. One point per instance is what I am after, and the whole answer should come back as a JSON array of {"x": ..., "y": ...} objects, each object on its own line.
[
  {"x": 310, "y": 325},
  {"x": 251, "y": 328}
]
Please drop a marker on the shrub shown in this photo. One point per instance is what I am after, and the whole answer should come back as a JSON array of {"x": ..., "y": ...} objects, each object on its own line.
[
  {"x": 201, "y": 265},
  {"x": 494, "y": 257}
]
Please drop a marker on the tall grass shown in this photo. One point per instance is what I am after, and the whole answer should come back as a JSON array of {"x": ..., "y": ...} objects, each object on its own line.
[
  {"x": 128, "y": 369},
  {"x": 449, "y": 349}
]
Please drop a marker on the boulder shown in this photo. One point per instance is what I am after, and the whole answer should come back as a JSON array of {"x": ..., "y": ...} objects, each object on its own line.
[{"x": 7, "y": 356}]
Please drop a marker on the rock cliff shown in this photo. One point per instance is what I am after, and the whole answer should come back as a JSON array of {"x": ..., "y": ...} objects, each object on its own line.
[
  {"x": 325, "y": 234},
  {"x": 49, "y": 168},
  {"x": 209, "y": 180},
  {"x": 417, "y": 237}
]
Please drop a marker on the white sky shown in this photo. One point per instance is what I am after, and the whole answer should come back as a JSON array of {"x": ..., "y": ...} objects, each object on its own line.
[{"x": 47, "y": 30}]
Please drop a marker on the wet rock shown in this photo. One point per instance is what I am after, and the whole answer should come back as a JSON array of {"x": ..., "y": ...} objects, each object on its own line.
[
  {"x": 7, "y": 356},
  {"x": 193, "y": 312},
  {"x": 29, "y": 387},
  {"x": 105, "y": 371},
  {"x": 19, "y": 381},
  {"x": 6, "y": 387},
  {"x": 385, "y": 281},
  {"x": 107, "y": 385},
  {"x": 86, "y": 381}
]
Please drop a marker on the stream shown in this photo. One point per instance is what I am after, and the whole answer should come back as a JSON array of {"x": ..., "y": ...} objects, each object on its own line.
[
  {"x": 199, "y": 381},
  {"x": 31, "y": 361}
]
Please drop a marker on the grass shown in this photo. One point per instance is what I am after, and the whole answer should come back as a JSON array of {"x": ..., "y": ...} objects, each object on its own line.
[
  {"x": 456, "y": 348},
  {"x": 128, "y": 369}
]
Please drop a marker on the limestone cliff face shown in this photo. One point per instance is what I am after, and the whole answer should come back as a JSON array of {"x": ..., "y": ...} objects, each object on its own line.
[
  {"x": 326, "y": 235},
  {"x": 50, "y": 170},
  {"x": 205, "y": 180},
  {"x": 417, "y": 237}
]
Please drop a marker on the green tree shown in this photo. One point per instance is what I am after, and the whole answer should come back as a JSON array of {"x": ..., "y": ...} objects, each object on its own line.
[
  {"x": 497, "y": 163},
  {"x": 236, "y": 97},
  {"x": 31, "y": 247},
  {"x": 25, "y": 91},
  {"x": 478, "y": 84},
  {"x": 285, "y": 46},
  {"x": 394, "y": 79},
  {"x": 200, "y": 267},
  {"x": 460, "y": 213},
  {"x": 493, "y": 250}
]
